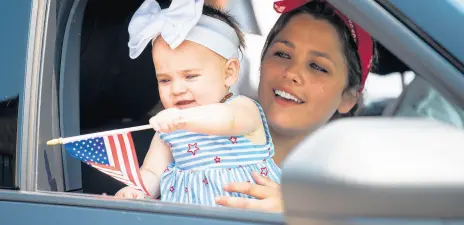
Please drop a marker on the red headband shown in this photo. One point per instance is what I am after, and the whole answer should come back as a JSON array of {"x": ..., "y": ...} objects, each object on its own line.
[{"x": 360, "y": 36}]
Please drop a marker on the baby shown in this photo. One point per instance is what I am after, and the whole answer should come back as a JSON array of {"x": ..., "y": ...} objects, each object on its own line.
[{"x": 206, "y": 137}]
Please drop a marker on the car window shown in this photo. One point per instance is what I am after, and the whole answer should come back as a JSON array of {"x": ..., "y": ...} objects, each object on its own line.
[
  {"x": 8, "y": 130},
  {"x": 12, "y": 60},
  {"x": 422, "y": 100}
]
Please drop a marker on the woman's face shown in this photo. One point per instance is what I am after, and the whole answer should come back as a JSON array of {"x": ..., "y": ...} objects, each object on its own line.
[{"x": 303, "y": 76}]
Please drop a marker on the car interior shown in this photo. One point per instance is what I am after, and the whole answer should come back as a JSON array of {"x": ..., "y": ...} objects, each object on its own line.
[{"x": 117, "y": 92}]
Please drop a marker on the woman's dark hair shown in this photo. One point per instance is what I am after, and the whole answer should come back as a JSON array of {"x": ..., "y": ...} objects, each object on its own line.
[{"x": 321, "y": 10}]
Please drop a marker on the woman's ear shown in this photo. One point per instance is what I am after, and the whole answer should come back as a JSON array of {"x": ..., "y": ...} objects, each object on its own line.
[
  {"x": 231, "y": 71},
  {"x": 349, "y": 100}
]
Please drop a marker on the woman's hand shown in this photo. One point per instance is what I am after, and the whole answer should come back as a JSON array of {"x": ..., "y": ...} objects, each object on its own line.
[{"x": 267, "y": 194}]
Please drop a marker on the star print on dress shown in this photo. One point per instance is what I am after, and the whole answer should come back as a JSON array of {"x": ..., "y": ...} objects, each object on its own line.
[
  {"x": 217, "y": 160},
  {"x": 193, "y": 148},
  {"x": 264, "y": 171},
  {"x": 233, "y": 140},
  {"x": 186, "y": 190},
  {"x": 171, "y": 189},
  {"x": 167, "y": 169},
  {"x": 205, "y": 181}
]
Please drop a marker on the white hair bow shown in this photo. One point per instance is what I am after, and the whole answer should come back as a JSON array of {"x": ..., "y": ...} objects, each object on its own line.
[{"x": 173, "y": 23}]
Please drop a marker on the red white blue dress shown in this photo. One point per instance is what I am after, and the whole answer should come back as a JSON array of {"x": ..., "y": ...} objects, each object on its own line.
[{"x": 203, "y": 164}]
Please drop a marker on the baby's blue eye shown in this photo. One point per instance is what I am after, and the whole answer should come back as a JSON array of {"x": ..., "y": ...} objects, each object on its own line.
[{"x": 191, "y": 76}]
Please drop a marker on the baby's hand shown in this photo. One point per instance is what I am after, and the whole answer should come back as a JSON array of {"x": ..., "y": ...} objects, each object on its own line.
[
  {"x": 129, "y": 192},
  {"x": 168, "y": 120}
]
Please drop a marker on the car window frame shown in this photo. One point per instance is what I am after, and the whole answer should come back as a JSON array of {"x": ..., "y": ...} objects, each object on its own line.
[
  {"x": 39, "y": 166},
  {"x": 131, "y": 211}
]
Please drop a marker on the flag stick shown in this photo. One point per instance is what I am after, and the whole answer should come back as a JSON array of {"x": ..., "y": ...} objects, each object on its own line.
[{"x": 61, "y": 140}]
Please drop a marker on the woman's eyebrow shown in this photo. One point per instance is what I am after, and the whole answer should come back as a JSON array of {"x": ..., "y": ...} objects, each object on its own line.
[{"x": 285, "y": 42}]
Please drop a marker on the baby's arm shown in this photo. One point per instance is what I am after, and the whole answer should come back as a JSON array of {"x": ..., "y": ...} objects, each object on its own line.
[
  {"x": 239, "y": 116},
  {"x": 157, "y": 159}
]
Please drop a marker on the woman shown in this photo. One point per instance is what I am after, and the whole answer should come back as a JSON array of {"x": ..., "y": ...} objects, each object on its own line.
[{"x": 313, "y": 69}]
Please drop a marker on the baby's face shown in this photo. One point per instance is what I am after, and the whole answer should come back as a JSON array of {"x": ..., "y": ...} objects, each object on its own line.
[{"x": 190, "y": 75}]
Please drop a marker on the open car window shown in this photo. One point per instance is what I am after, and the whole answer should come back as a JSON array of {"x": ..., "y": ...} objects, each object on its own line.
[{"x": 420, "y": 99}]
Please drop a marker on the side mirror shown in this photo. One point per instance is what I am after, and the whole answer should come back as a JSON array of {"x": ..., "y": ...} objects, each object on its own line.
[{"x": 376, "y": 171}]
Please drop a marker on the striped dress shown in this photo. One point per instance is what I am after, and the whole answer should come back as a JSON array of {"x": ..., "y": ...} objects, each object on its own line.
[{"x": 203, "y": 164}]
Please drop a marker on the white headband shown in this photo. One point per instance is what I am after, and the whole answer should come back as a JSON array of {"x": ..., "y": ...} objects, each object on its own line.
[{"x": 183, "y": 20}]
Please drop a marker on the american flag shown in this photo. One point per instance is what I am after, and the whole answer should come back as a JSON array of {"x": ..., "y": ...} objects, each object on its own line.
[{"x": 113, "y": 155}]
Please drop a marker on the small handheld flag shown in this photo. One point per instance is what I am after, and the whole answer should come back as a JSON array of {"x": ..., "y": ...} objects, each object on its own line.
[{"x": 111, "y": 152}]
